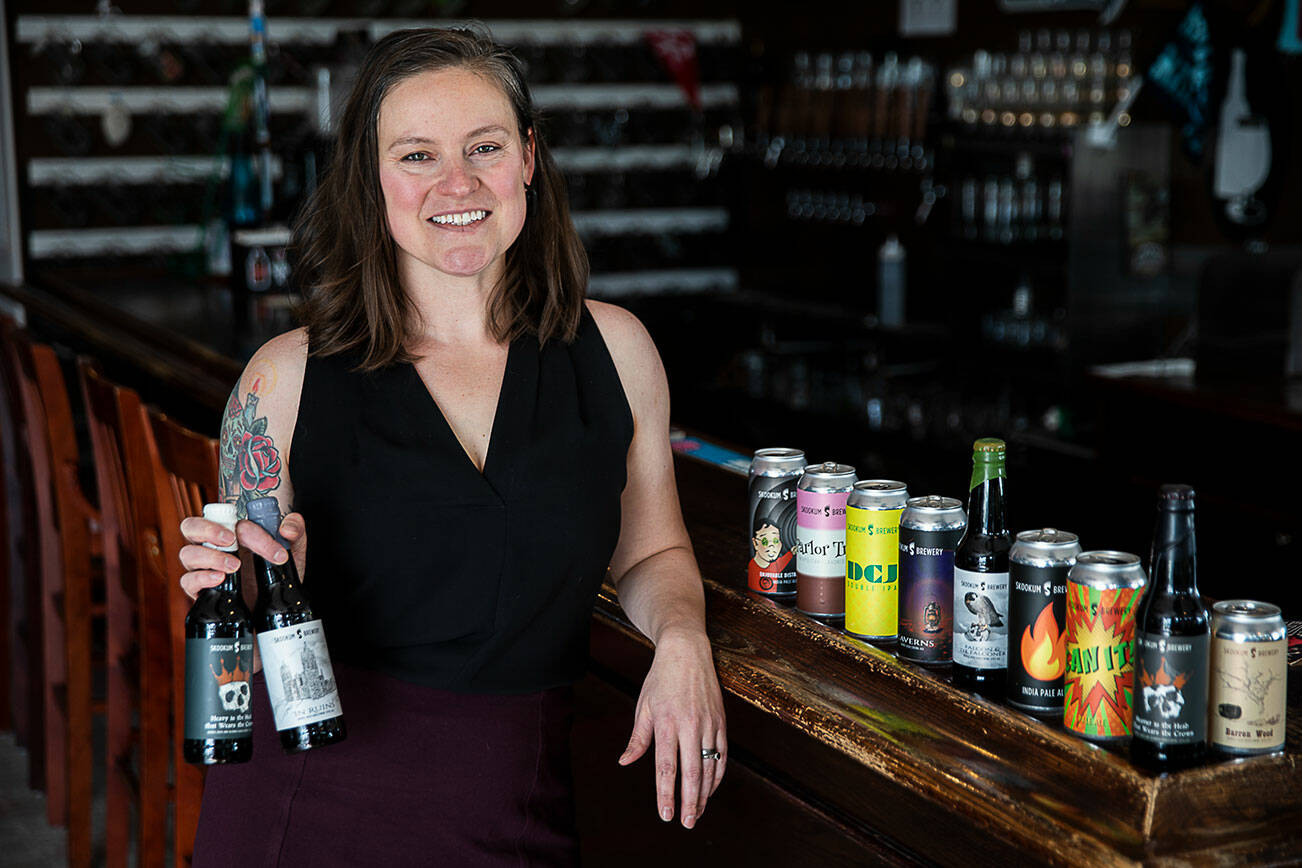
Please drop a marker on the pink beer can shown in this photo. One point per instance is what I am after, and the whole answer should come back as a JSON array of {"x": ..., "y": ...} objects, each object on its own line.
[{"x": 821, "y": 497}]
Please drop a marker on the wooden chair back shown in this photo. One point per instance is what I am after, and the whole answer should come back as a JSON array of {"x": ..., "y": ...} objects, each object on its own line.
[
  {"x": 22, "y": 681},
  {"x": 137, "y": 637},
  {"x": 9, "y": 577},
  {"x": 190, "y": 479},
  {"x": 65, "y": 520}
]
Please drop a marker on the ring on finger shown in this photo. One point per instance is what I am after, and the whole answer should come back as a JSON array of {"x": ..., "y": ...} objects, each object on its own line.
[{"x": 709, "y": 753}]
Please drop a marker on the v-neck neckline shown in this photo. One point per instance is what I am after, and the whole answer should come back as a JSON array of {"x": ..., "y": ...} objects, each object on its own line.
[{"x": 490, "y": 453}]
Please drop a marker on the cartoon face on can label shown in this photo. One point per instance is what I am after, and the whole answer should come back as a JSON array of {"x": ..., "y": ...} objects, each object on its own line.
[{"x": 771, "y": 568}]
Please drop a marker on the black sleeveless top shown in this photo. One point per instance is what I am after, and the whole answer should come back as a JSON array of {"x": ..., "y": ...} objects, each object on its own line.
[{"x": 423, "y": 567}]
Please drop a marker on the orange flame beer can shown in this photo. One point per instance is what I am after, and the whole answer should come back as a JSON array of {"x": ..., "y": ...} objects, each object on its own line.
[
  {"x": 1103, "y": 593},
  {"x": 1037, "y": 596}
]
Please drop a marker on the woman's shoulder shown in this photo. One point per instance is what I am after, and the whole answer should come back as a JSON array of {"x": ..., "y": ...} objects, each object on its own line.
[
  {"x": 274, "y": 376},
  {"x": 624, "y": 334},
  {"x": 289, "y": 348},
  {"x": 280, "y": 360},
  {"x": 634, "y": 353}
]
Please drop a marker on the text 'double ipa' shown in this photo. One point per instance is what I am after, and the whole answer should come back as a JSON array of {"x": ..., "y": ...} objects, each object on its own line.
[{"x": 872, "y": 533}]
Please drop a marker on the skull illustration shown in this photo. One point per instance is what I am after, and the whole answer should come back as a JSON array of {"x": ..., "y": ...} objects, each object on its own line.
[
  {"x": 1165, "y": 699},
  {"x": 234, "y": 695}
]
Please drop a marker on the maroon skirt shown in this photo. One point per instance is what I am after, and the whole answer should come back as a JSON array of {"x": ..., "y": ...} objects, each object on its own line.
[{"x": 425, "y": 777}]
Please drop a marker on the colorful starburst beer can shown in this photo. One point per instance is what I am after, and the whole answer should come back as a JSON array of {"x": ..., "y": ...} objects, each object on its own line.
[
  {"x": 821, "y": 496},
  {"x": 771, "y": 569},
  {"x": 930, "y": 530},
  {"x": 1103, "y": 593},
  {"x": 1249, "y": 678},
  {"x": 872, "y": 558},
  {"x": 1037, "y": 597}
]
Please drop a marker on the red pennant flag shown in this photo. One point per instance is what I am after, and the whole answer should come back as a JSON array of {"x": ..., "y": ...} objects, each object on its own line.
[{"x": 676, "y": 51}]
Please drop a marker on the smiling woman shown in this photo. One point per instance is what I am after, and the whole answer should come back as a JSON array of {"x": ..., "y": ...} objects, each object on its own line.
[
  {"x": 454, "y": 174},
  {"x": 351, "y": 264},
  {"x": 451, "y": 385}
]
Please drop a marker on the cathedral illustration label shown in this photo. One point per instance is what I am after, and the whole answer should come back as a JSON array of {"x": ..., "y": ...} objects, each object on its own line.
[{"x": 300, "y": 681}]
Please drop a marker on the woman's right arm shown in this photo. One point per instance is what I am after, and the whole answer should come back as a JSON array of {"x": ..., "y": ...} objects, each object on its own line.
[{"x": 256, "y": 435}]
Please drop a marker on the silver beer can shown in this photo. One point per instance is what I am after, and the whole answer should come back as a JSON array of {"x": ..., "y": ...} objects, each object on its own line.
[
  {"x": 1249, "y": 678},
  {"x": 771, "y": 523},
  {"x": 930, "y": 530},
  {"x": 872, "y": 558},
  {"x": 821, "y": 497},
  {"x": 1103, "y": 593},
  {"x": 1037, "y": 619}
]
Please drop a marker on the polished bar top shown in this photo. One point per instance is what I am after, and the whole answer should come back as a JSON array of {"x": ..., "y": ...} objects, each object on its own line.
[{"x": 888, "y": 751}]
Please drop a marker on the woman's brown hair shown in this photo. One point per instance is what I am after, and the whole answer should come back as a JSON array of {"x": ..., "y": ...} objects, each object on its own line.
[{"x": 345, "y": 258}]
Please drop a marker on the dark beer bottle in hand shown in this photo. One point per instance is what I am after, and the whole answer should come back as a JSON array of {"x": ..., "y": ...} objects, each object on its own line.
[
  {"x": 218, "y": 666},
  {"x": 1172, "y": 640},
  {"x": 292, "y": 644},
  {"x": 981, "y": 577}
]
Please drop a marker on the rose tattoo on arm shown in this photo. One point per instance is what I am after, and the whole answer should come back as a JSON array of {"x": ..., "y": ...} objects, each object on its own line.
[{"x": 250, "y": 461}]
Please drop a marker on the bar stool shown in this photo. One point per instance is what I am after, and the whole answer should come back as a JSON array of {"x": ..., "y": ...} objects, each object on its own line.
[
  {"x": 66, "y": 521},
  {"x": 188, "y": 481}
]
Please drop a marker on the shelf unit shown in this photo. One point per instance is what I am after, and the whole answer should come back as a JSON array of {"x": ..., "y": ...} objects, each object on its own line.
[{"x": 642, "y": 165}]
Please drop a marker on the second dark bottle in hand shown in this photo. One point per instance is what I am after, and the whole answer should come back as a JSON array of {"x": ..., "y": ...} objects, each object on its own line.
[
  {"x": 1172, "y": 640},
  {"x": 981, "y": 576},
  {"x": 292, "y": 644}
]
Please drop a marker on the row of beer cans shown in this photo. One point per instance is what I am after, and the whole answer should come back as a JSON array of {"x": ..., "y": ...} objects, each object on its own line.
[{"x": 864, "y": 555}]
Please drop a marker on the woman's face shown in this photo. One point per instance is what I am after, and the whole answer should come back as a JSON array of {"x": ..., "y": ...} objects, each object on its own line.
[{"x": 453, "y": 169}]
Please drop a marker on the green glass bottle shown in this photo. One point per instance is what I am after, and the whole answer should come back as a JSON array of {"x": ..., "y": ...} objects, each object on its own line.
[{"x": 981, "y": 576}]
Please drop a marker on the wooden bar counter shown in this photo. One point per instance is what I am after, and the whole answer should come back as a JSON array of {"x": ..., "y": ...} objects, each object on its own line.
[
  {"x": 891, "y": 749},
  {"x": 839, "y": 754}
]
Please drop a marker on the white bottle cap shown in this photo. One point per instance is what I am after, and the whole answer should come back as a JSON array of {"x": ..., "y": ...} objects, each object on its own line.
[{"x": 221, "y": 513}]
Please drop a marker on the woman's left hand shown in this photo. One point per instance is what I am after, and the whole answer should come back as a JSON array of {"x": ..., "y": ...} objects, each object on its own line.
[{"x": 681, "y": 708}]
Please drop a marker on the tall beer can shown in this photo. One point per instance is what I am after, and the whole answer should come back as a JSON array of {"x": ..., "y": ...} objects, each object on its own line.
[
  {"x": 930, "y": 530},
  {"x": 821, "y": 497},
  {"x": 1037, "y": 598},
  {"x": 872, "y": 558},
  {"x": 1103, "y": 593},
  {"x": 772, "y": 521},
  {"x": 1249, "y": 683}
]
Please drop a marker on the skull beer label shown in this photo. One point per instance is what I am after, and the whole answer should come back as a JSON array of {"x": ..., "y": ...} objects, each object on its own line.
[
  {"x": 217, "y": 691},
  {"x": 1171, "y": 688}
]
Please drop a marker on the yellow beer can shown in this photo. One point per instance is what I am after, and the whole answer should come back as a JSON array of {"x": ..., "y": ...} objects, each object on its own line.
[{"x": 872, "y": 558}]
